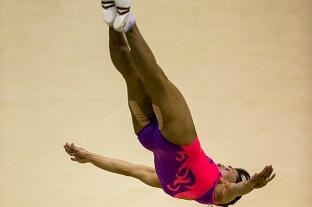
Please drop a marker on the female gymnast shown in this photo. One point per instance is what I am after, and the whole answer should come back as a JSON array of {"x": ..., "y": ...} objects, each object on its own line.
[{"x": 163, "y": 124}]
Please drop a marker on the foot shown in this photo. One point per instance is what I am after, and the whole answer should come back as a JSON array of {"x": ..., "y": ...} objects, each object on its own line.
[
  {"x": 109, "y": 11},
  {"x": 124, "y": 20}
]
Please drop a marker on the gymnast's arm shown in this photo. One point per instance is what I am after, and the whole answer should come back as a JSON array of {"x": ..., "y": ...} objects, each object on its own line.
[
  {"x": 143, "y": 173},
  {"x": 229, "y": 191}
]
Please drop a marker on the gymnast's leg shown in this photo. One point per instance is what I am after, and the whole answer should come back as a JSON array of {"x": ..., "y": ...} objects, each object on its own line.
[
  {"x": 139, "y": 101},
  {"x": 169, "y": 105}
]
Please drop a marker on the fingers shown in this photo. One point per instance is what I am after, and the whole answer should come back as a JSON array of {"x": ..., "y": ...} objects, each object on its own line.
[
  {"x": 271, "y": 178},
  {"x": 269, "y": 171},
  {"x": 266, "y": 172},
  {"x": 266, "y": 181},
  {"x": 68, "y": 149},
  {"x": 71, "y": 149},
  {"x": 73, "y": 159}
]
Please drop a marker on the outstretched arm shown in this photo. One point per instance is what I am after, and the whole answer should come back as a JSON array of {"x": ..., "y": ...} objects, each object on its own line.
[
  {"x": 144, "y": 173},
  {"x": 229, "y": 191}
]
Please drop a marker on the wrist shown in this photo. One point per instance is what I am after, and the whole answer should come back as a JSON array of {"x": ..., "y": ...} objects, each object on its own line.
[
  {"x": 90, "y": 157},
  {"x": 250, "y": 184}
]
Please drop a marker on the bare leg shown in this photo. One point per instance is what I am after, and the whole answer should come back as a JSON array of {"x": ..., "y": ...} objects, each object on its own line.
[
  {"x": 169, "y": 105},
  {"x": 139, "y": 101}
]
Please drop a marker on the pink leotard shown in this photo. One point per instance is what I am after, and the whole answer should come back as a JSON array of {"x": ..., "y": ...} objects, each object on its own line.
[{"x": 184, "y": 171}]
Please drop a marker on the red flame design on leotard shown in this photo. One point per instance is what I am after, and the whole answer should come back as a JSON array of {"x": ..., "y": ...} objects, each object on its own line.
[
  {"x": 183, "y": 173},
  {"x": 196, "y": 175}
]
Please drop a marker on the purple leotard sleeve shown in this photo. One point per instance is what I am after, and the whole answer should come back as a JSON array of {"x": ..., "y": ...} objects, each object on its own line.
[{"x": 183, "y": 171}]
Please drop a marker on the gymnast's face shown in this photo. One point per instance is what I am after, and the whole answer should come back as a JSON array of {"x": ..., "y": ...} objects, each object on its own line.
[{"x": 228, "y": 173}]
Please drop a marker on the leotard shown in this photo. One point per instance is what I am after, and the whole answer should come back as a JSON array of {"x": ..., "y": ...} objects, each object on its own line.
[{"x": 184, "y": 172}]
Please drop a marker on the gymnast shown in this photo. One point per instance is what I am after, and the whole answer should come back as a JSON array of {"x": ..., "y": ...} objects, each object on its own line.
[{"x": 163, "y": 124}]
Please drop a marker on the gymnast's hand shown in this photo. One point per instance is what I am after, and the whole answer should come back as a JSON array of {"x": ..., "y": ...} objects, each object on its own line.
[
  {"x": 259, "y": 180},
  {"x": 77, "y": 154}
]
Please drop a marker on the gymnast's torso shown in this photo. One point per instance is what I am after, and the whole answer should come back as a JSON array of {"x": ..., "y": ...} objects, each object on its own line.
[{"x": 184, "y": 172}]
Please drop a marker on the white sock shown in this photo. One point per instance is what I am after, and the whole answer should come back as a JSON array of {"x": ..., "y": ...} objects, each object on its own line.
[
  {"x": 130, "y": 23},
  {"x": 123, "y": 23},
  {"x": 124, "y": 20},
  {"x": 109, "y": 11}
]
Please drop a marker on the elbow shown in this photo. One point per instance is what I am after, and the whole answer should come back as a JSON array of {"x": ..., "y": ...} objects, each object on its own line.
[{"x": 128, "y": 171}]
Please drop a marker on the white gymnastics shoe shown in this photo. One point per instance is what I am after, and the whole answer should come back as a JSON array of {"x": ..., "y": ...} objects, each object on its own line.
[
  {"x": 124, "y": 20},
  {"x": 109, "y": 11}
]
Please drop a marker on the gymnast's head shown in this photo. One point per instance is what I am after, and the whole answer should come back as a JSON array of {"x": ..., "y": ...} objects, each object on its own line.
[{"x": 233, "y": 175}]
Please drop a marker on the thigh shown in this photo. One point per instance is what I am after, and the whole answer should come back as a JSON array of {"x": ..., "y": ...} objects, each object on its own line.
[
  {"x": 172, "y": 112},
  {"x": 139, "y": 103}
]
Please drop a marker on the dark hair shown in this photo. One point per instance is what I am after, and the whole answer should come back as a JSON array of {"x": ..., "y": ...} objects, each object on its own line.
[{"x": 243, "y": 175}]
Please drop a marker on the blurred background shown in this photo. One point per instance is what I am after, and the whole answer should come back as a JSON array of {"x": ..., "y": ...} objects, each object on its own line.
[{"x": 243, "y": 66}]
